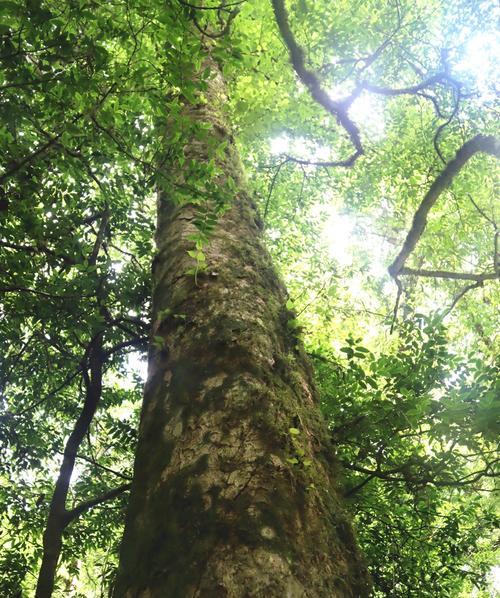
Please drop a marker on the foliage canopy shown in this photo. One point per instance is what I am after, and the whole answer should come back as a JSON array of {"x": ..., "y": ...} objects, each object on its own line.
[{"x": 91, "y": 97}]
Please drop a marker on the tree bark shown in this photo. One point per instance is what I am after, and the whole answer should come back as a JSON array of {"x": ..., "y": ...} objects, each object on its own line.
[{"x": 234, "y": 491}]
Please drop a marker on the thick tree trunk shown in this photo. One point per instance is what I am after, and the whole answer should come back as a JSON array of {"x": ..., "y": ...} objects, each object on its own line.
[{"x": 234, "y": 490}]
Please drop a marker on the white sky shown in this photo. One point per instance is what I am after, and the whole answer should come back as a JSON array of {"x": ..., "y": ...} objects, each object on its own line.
[
  {"x": 136, "y": 365},
  {"x": 338, "y": 235},
  {"x": 481, "y": 61}
]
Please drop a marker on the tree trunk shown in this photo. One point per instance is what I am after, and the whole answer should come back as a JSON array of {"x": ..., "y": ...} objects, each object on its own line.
[{"x": 234, "y": 490}]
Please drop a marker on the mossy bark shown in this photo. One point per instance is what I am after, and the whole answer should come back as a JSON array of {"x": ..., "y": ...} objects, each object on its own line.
[{"x": 234, "y": 490}]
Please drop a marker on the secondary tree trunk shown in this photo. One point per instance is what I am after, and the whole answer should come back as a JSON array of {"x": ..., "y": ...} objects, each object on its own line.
[
  {"x": 59, "y": 517},
  {"x": 234, "y": 490}
]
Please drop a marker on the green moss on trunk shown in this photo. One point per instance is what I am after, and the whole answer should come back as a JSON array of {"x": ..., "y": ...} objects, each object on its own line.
[{"x": 234, "y": 491}]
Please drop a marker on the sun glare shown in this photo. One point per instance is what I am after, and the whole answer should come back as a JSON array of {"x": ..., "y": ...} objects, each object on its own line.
[
  {"x": 301, "y": 148},
  {"x": 337, "y": 235},
  {"x": 279, "y": 145},
  {"x": 367, "y": 111},
  {"x": 494, "y": 576},
  {"x": 137, "y": 365},
  {"x": 480, "y": 61}
]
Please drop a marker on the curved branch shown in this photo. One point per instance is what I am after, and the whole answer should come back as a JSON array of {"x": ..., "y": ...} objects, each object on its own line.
[
  {"x": 458, "y": 296},
  {"x": 411, "y": 90},
  {"x": 311, "y": 81},
  {"x": 488, "y": 144}
]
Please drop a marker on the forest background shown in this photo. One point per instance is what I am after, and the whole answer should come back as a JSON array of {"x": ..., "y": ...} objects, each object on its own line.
[{"x": 91, "y": 99}]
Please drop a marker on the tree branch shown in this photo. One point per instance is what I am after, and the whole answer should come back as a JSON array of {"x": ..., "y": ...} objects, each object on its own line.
[
  {"x": 311, "y": 81},
  {"x": 350, "y": 491},
  {"x": 482, "y": 212},
  {"x": 411, "y": 90},
  {"x": 101, "y": 466},
  {"x": 488, "y": 144},
  {"x": 100, "y": 236},
  {"x": 15, "y": 289},
  {"x": 271, "y": 187},
  {"x": 405, "y": 476},
  {"x": 449, "y": 275},
  {"x": 459, "y": 295},
  {"x": 135, "y": 342},
  {"x": 93, "y": 502}
]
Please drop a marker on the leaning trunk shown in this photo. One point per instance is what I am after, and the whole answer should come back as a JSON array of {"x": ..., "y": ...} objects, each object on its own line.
[
  {"x": 59, "y": 517},
  {"x": 235, "y": 486}
]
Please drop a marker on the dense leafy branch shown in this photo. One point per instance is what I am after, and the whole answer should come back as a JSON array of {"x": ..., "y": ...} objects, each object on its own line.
[
  {"x": 64, "y": 384},
  {"x": 229, "y": 11},
  {"x": 38, "y": 249},
  {"x": 52, "y": 141}
]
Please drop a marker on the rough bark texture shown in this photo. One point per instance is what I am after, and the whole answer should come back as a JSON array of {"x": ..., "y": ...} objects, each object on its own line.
[{"x": 226, "y": 500}]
